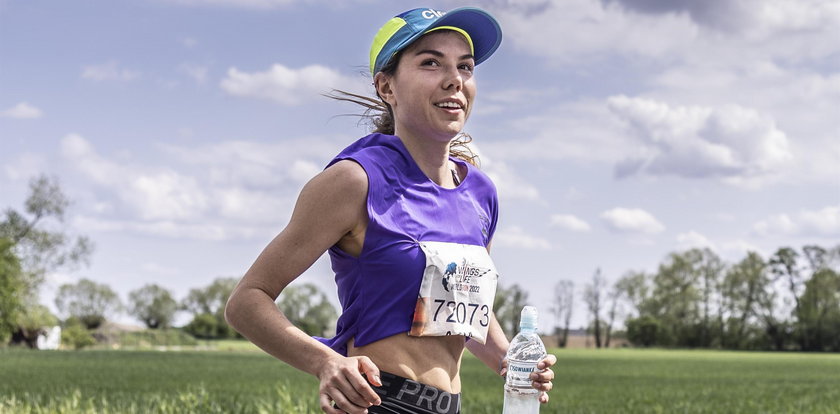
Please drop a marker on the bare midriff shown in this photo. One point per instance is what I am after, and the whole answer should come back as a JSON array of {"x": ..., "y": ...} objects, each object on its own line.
[{"x": 431, "y": 360}]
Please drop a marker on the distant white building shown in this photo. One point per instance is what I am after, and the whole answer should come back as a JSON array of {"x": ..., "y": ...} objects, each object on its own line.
[{"x": 49, "y": 339}]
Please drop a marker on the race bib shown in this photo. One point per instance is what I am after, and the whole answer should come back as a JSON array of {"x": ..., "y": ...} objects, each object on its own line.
[{"x": 457, "y": 291}]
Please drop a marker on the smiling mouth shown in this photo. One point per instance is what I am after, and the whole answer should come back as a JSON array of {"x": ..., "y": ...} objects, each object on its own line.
[{"x": 449, "y": 105}]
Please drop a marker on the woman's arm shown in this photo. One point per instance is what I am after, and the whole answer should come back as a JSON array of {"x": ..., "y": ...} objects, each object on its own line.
[
  {"x": 331, "y": 206},
  {"x": 493, "y": 351}
]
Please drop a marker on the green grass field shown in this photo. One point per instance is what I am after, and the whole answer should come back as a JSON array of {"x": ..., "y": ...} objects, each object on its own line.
[{"x": 238, "y": 380}]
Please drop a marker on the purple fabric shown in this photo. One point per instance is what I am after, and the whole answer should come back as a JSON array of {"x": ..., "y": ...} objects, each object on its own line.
[{"x": 378, "y": 290}]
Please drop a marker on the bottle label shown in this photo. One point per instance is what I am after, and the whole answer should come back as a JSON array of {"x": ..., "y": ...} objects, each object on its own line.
[
  {"x": 457, "y": 291},
  {"x": 518, "y": 373}
]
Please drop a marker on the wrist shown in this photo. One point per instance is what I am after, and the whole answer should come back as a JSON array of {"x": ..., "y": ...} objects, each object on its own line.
[
  {"x": 324, "y": 363},
  {"x": 502, "y": 366}
]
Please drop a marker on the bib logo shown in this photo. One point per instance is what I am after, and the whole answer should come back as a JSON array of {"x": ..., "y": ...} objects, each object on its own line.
[
  {"x": 463, "y": 276},
  {"x": 432, "y": 14}
]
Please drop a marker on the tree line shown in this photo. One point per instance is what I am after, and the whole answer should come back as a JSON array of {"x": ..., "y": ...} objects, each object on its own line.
[{"x": 788, "y": 301}]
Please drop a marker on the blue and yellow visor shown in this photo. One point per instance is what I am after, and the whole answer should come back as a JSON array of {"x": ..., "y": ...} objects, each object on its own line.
[{"x": 479, "y": 28}]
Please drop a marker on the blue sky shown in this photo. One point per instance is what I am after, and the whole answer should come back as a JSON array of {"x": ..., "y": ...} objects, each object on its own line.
[{"x": 617, "y": 131}]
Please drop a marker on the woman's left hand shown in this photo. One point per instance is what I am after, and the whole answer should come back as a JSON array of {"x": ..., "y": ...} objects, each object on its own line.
[{"x": 543, "y": 376}]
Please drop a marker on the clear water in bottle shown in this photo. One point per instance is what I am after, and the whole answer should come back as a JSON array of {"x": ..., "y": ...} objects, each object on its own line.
[{"x": 526, "y": 350}]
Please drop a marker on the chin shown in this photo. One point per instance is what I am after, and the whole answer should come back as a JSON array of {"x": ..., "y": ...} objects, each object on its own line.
[{"x": 454, "y": 129}]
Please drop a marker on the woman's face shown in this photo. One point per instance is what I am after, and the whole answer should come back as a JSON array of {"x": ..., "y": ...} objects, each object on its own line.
[{"x": 433, "y": 89}]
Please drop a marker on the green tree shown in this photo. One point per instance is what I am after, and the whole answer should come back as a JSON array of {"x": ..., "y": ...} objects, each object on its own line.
[
  {"x": 676, "y": 298},
  {"x": 40, "y": 244},
  {"x": 88, "y": 301},
  {"x": 307, "y": 308},
  {"x": 75, "y": 335},
  {"x": 634, "y": 288},
  {"x": 819, "y": 314},
  {"x": 206, "y": 326},
  {"x": 11, "y": 289},
  {"x": 593, "y": 296},
  {"x": 211, "y": 300},
  {"x": 746, "y": 286},
  {"x": 153, "y": 305},
  {"x": 564, "y": 297},
  {"x": 817, "y": 257},
  {"x": 711, "y": 268},
  {"x": 31, "y": 323},
  {"x": 37, "y": 243},
  {"x": 644, "y": 331},
  {"x": 507, "y": 306},
  {"x": 614, "y": 295},
  {"x": 785, "y": 267}
]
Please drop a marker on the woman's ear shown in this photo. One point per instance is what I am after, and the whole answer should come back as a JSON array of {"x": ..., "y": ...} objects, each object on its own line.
[{"x": 382, "y": 83}]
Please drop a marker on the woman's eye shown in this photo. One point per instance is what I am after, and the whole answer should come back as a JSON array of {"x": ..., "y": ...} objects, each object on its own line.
[
  {"x": 430, "y": 62},
  {"x": 467, "y": 67}
]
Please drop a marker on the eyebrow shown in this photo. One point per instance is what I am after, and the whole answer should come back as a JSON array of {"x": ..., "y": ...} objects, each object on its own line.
[{"x": 440, "y": 54}]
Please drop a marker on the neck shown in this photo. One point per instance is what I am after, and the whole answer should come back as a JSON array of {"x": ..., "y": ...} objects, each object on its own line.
[{"x": 432, "y": 156}]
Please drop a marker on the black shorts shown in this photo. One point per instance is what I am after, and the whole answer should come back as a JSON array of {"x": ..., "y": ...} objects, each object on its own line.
[{"x": 404, "y": 396}]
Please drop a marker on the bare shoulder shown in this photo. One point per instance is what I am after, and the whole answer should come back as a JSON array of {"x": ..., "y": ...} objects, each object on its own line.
[
  {"x": 345, "y": 174},
  {"x": 343, "y": 182},
  {"x": 335, "y": 196}
]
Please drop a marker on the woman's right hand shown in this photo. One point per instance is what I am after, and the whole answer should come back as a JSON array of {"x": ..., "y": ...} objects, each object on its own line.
[{"x": 342, "y": 382}]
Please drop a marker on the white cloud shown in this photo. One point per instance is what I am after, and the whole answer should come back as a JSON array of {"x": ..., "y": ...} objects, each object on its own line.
[
  {"x": 693, "y": 239},
  {"x": 734, "y": 251},
  {"x": 151, "y": 193},
  {"x": 779, "y": 79},
  {"x": 515, "y": 237},
  {"x": 578, "y": 30},
  {"x": 582, "y": 29},
  {"x": 729, "y": 141},
  {"x": 302, "y": 171},
  {"x": 499, "y": 101},
  {"x": 569, "y": 222},
  {"x": 172, "y": 229},
  {"x": 565, "y": 131},
  {"x": 22, "y": 110},
  {"x": 631, "y": 220},
  {"x": 221, "y": 191},
  {"x": 198, "y": 73},
  {"x": 243, "y": 205},
  {"x": 798, "y": 98},
  {"x": 751, "y": 16},
  {"x": 108, "y": 72},
  {"x": 255, "y": 165},
  {"x": 823, "y": 222},
  {"x": 288, "y": 86},
  {"x": 509, "y": 183}
]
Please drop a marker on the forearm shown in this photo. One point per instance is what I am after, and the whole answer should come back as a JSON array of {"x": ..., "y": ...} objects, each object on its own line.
[
  {"x": 494, "y": 348},
  {"x": 254, "y": 314}
]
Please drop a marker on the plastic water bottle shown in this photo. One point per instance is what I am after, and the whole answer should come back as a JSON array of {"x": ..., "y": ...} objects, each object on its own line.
[{"x": 526, "y": 350}]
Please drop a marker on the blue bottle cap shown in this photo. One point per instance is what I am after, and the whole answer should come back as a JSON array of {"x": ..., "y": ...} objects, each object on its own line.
[{"x": 528, "y": 318}]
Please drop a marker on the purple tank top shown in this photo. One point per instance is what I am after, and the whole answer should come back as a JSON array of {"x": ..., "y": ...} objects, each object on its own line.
[{"x": 378, "y": 290}]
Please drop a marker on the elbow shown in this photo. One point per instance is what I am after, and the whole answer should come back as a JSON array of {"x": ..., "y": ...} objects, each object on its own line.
[{"x": 232, "y": 311}]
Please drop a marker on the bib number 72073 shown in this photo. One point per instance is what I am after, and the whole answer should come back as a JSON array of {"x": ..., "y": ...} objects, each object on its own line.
[{"x": 458, "y": 312}]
